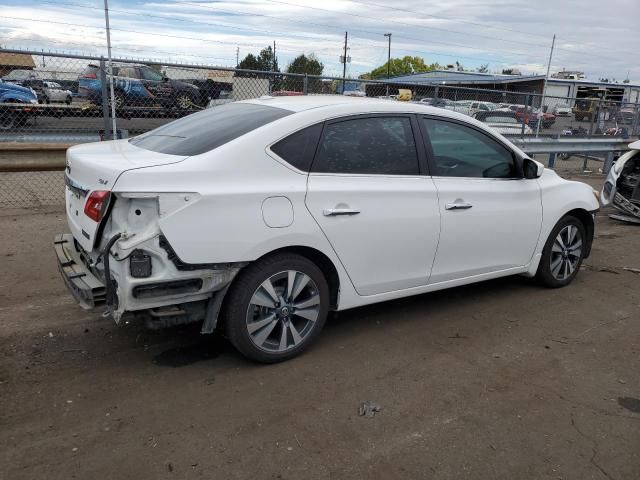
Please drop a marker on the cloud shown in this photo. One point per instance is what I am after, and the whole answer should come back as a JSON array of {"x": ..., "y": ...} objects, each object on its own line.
[{"x": 511, "y": 33}]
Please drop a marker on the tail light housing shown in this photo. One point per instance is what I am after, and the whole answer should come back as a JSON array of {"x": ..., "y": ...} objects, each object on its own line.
[{"x": 97, "y": 204}]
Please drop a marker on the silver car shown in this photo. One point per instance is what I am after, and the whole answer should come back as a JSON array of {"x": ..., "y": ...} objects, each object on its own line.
[{"x": 53, "y": 92}]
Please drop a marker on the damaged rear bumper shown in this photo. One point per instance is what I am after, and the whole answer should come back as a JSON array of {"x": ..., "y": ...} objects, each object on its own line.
[{"x": 86, "y": 288}]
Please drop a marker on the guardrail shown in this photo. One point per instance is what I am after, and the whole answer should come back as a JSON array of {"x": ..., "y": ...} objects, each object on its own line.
[{"x": 554, "y": 146}]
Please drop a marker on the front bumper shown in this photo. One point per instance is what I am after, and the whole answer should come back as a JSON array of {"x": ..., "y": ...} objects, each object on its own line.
[{"x": 87, "y": 289}]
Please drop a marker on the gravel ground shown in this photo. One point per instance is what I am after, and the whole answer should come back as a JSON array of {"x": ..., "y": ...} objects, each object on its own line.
[{"x": 499, "y": 380}]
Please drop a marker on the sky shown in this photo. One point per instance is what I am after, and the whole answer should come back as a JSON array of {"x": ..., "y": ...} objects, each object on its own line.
[{"x": 593, "y": 36}]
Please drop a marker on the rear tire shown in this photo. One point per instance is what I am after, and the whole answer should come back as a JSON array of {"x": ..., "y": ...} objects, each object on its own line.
[
  {"x": 563, "y": 253},
  {"x": 276, "y": 308}
]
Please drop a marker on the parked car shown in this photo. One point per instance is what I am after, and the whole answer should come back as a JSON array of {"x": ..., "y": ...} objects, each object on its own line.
[
  {"x": 622, "y": 186},
  {"x": 530, "y": 116},
  {"x": 506, "y": 123},
  {"x": 54, "y": 93},
  {"x": 13, "y": 111},
  {"x": 627, "y": 115},
  {"x": 562, "y": 110},
  {"x": 260, "y": 216},
  {"x": 139, "y": 85}
]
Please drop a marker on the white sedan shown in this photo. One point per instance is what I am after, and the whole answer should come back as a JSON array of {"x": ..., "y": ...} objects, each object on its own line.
[{"x": 259, "y": 217}]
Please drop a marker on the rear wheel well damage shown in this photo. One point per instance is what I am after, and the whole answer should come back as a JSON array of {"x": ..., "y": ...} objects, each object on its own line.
[
  {"x": 323, "y": 262},
  {"x": 586, "y": 218}
]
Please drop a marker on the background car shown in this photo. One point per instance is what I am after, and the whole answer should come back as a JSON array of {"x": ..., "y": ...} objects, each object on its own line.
[
  {"x": 562, "y": 110},
  {"x": 263, "y": 215},
  {"x": 13, "y": 111},
  {"x": 140, "y": 85},
  {"x": 504, "y": 122},
  {"x": 52, "y": 92}
]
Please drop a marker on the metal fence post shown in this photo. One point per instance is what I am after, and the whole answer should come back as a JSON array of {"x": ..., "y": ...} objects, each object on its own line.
[
  {"x": 608, "y": 161},
  {"x": 552, "y": 160},
  {"x": 105, "y": 102},
  {"x": 526, "y": 104},
  {"x": 635, "y": 120},
  {"x": 305, "y": 85}
]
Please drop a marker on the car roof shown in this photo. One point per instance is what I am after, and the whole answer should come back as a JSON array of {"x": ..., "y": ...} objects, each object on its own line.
[{"x": 358, "y": 104}]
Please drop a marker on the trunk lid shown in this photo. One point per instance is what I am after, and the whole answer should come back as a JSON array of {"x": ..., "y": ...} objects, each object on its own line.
[{"x": 96, "y": 167}]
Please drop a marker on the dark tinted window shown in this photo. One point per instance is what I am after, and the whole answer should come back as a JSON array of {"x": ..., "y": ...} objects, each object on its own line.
[
  {"x": 206, "y": 130},
  {"x": 461, "y": 151},
  {"x": 298, "y": 149},
  {"x": 374, "y": 145}
]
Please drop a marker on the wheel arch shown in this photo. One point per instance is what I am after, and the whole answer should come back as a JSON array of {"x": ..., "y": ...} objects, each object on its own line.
[
  {"x": 322, "y": 261},
  {"x": 586, "y": 218}
]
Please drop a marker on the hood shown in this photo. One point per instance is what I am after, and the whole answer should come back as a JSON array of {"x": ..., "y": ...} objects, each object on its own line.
[{"x": 179, "y": 83}]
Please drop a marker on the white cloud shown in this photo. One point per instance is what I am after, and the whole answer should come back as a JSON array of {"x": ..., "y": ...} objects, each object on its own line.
[{"x": 502, "y": 33}]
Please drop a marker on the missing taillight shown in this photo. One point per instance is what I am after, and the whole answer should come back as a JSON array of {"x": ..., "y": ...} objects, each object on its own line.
[{"x": 97, "y": 204}]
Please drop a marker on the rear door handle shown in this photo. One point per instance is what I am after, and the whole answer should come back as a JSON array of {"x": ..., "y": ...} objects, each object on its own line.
[
  {"x": 333, "y": 212},
  {"x": 458, "y": 206}
]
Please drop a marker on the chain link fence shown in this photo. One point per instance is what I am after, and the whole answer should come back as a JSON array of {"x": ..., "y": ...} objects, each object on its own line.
[{"x": 67, "y": 99}]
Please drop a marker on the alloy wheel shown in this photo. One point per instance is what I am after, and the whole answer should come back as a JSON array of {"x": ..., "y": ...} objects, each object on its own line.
[
  {"x": 282, "y": 311},
  {"x": 183, "y": 102},
  {"x": 566, "y": 252}
]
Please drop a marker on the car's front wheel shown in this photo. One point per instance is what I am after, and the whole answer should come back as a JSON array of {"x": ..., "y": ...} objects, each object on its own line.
[
  {"x": 276, "y": 308},
  {"x": 184, "y": 101},
  {"x": 563, "y": 253}
]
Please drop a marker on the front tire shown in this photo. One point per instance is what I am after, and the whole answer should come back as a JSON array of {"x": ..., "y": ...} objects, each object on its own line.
[
  {"x": 563, "y": 253},
  {"x": 276, "y": 308},
  {"x": 183, "y": 101}
]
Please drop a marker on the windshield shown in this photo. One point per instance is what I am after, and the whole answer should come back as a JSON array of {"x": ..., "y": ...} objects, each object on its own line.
[
  {"x": 207, "y": 130},
  {"x": 501, "y": 119}
]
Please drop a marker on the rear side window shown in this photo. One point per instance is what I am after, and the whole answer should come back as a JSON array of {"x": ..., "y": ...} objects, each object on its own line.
[
  {"x": 207, "y": 130},
  {"x": 298, "y": 148},
  {"x": 371, "y": 145}
]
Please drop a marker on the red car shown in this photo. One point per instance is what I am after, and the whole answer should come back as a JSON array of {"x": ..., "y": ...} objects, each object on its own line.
[{"x": 530, "y": 116}]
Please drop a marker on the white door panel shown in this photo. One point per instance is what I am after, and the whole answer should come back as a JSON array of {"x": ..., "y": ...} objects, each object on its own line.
[
  {"x": 497, "y": 228},
  {"x": 384, "y": 229}
]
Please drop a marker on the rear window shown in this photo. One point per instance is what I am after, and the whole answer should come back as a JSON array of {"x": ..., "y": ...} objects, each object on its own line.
[{"x": 209, "y": 129}]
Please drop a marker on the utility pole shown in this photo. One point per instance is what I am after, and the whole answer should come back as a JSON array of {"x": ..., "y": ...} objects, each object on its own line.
[
  {"x": 274, "y": 56},
  {"x": 237, "y": 56},
  {"x": 344, "y": 61},
  {"x": 114, "y": 131},
  {"x": 544, "y": 88},
  {"x": 388, "y": 61}
]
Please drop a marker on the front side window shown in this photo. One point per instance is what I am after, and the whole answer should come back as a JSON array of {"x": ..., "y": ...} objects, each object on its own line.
[
  {"x": 372, "y": 145},
  {"x": 461, "y": 151}
]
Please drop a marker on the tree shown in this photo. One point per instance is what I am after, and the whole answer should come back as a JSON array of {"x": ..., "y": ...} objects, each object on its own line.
[
  {"x": 306, "y": 64},
  {"x": 401, "y": 66},
  {"x": 483, "y": 68},
  {"x": 265, "y": 62}
]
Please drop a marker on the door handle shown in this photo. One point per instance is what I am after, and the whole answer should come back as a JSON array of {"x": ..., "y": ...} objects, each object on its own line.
[
  {"x": 333, "y": 212},
  {"x": 458, "y": 206}
]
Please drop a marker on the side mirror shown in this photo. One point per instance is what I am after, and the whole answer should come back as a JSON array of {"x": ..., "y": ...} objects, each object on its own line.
[{"x": 531, "y": 168}]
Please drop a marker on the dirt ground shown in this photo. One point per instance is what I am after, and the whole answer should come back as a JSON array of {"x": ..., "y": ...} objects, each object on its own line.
[{"x": 499, "y": 380}]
